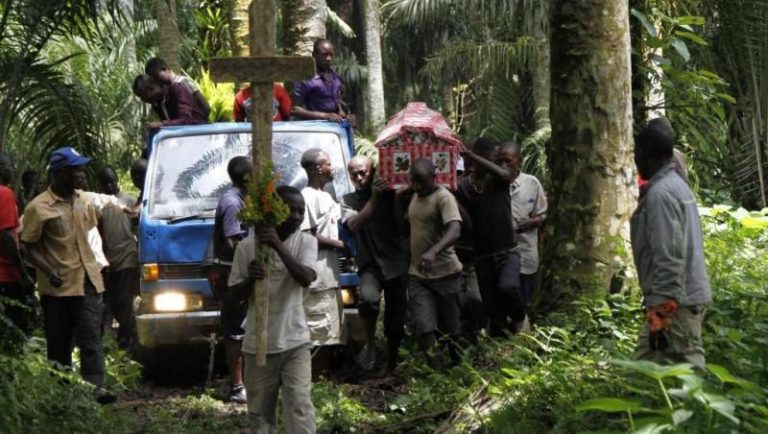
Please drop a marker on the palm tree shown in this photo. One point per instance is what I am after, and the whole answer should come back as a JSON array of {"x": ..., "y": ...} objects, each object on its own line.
[
  {"x": 376, "y": 108},
  {"x": 479, "y": 59},
  {"x": 590, "y": 159},
  {"x": 303, "y": 24},
  {"x": 240, "y": 27},
  {"x": 741, "y": 58},
  {"x": 40, "y": 108},
  {"x": 168, "y": 36}
]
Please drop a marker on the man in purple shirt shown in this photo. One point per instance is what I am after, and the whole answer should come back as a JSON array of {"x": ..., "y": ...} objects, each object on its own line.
[
  {"x": 228, "y": 231},
  {"x": 174, "y": 104},
  {"x": 320, "y": 96}
]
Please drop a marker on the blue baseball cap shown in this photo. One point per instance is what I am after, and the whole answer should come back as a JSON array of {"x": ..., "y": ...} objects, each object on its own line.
[{"x": 66, "y": 157}]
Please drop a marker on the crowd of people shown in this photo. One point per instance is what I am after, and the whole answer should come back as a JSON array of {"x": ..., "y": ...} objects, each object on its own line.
[
  {"x": 176, "y": 99},
  {"x": 447, "y": 264}
]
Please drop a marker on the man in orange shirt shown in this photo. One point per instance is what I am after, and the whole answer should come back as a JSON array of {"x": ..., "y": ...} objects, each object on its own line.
[{"x": 281, "y": 104}]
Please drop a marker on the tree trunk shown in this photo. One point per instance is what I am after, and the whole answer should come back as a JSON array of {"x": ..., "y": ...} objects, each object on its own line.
[
  {"x": 303, "y": 24},
  {"x": 541, "y": 70},
  {"x": 240, "y": 27},
  {"x": 168, "y": 36},
  {"x": 590, "y": 159},
  {"x": 376, "y": 109}
]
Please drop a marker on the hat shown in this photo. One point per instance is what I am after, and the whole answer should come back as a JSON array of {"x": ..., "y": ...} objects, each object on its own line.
[{"x": 66, "y": 157}]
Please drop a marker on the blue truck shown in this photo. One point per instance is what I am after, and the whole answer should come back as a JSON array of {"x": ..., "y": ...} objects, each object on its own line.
[{"x": 186, "y": 175}]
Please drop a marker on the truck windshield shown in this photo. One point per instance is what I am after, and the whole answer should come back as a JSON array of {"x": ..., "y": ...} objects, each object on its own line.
[{"x": 189, "y": 174}]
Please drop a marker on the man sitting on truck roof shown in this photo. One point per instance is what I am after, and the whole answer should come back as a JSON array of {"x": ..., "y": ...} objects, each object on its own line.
[
  {"x": 174, "y": 104},
  {"x": 281, "y": 104},
  {"x": 293, "y": 255},
  {"x": 161, "y": 73},
  {"x": 320, "y": 96}
]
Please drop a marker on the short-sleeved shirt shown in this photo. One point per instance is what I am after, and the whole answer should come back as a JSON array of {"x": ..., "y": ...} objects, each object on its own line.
[
  {"x": 119, "y": 241},
  {"x": 489, "y": 208},
  {"x": 60, "y": 227},
  {"x": 286, "y": 322},
  {"x": 528, "y": 200},
  {"x": 226, "y": 224},
  {"x": 379, "y": 242},
  {"x": 321, "y": 93},
  {"x": 428, "y": 217},
  {"x": 281, "y": 104},
  {"x": 322, "y": 216},
  {"x": 9, "y": 220}
]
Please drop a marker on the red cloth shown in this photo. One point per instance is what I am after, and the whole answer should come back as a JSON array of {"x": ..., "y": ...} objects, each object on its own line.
[
  {"x": 9, "y": 219},
  {"x": 413, "y": 133},
  {"x": 281, "y": 104}
]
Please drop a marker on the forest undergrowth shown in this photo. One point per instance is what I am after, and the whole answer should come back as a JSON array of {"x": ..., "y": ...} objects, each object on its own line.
[{"x": 572, "y": 374}]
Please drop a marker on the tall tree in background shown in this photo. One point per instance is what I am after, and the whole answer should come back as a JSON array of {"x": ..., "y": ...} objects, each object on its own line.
[
  {"x": 303, "y": 24},
  {"x": 376, "y": 109},
  {"x": 590, "y": 158},
  {"x": 240, "y": 27},
  {"x": 168, "y": 36}
]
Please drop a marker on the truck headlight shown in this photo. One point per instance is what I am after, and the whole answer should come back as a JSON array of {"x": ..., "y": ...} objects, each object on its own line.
[
  {"x": 347, "y": 297},
  {"x": 176, "y": 302}
]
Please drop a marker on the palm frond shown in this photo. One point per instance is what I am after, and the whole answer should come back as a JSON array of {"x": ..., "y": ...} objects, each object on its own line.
[
  {"x": 349, "y": 68},
  {"x": 459, "y": 60},
  {"x": 335, "y": 22},
  {"x": 425, "y": 13}
]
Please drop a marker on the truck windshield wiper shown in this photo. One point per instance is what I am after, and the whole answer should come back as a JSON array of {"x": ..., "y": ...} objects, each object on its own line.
[{"x": 204, "y": 214}]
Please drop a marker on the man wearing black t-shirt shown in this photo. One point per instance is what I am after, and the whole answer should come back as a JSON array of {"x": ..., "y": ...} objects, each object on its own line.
[{"x": 485, "y": 196}]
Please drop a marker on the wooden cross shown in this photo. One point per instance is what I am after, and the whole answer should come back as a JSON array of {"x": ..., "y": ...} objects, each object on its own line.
[{"x": 262, "y": 69}]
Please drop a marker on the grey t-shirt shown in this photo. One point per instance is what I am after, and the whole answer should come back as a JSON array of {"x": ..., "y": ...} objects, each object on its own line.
[
  {"x": 428, "y": 217},
  {"x": 528, "y": 200},
  {"x": 286, "y": 323},
  {"x": 119, "y": 242}
]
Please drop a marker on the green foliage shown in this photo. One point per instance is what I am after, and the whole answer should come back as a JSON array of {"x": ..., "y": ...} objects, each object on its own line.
[
  {"x": 42, "y": 105},
  {"x": 566, "y": 384},
  {"x": 220, "y": 96},
  {"x": 216, "y": 35},
  {"x": 37, "y": 398}
]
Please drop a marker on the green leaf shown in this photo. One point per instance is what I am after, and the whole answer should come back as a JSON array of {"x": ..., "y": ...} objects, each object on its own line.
[
  {"x": 681, "y": 48},
  {"x": 609, "y": 405},
  {"x": 650, "y": 28},
  {"x": 721, "y": 404},
  {"x": 680, "y": 416},
  {"x": 723, "y": 375},
  {"x": 690, "y": 20},
  {"x": 692, "y": 37},
  {"x": 653, "y": 428},
  {"x": 654, "y": 370}
]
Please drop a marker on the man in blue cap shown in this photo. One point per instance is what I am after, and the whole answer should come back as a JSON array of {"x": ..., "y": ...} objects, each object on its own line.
[{"x": 56, "y": 224}]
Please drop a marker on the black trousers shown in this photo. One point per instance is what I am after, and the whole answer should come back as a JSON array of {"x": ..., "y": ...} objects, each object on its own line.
[
  {"x": 118, "y": 297},
  {"x": 77, "y": 321},
  {"x": 499, "y": 279},
  {"x": 395, "y": 297},
  {"x": 528, "y": 286}
]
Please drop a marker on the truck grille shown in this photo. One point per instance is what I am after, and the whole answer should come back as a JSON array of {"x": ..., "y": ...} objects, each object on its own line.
[{"x": 181, "y": 271}]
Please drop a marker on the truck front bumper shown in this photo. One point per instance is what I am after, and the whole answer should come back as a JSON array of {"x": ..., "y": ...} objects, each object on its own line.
[{"x": 176, "y": 328}]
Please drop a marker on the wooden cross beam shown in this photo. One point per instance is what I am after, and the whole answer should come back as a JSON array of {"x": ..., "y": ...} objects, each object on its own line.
[{"x": 262, "y": 69}]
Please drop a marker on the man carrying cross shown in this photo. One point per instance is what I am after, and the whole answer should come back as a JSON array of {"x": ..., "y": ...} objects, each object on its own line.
[{"x": 262, "y": 70}]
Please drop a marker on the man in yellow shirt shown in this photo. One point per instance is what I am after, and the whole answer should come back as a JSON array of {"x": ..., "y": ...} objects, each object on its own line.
[{"x": 55, "y": 231}]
